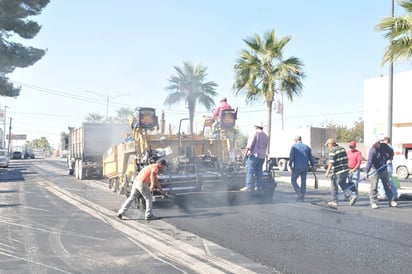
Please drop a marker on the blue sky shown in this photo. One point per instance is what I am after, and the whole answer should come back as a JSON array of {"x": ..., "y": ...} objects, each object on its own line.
[{"x": 127, "y": 50}]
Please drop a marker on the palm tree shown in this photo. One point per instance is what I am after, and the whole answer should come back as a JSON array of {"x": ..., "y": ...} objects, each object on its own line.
[
  {"x": 398, "y": 30},
  {"x": 123, "y": 115},
  {"x": 189, "y": 85},
  {"x": 94, "y": 118},
  {"x": 261, "y": 71}
]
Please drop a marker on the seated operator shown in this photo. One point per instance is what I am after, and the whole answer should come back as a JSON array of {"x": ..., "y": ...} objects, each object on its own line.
[{"x": 223, "y": 106}]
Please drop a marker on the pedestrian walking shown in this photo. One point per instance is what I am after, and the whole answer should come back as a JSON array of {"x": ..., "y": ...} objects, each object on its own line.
[
  {"x": 378, "y": 156},
  {"x": 256, "y": 153},
  {"x": 381, "y": 189},
  {"x": 354, "y": 163},
  {"x": 145, "y": 183},
  {"x": 338, "y": 165},
  {"x": 300, "y": 161}
]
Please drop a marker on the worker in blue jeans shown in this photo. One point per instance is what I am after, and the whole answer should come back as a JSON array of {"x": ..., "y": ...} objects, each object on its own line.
[
  {"x": 381, "y": 190},
  {"x": 300, "y": 161},
  {"x": 256, "y": 152}
]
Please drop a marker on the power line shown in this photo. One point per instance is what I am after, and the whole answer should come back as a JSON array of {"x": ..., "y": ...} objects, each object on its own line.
[{"x": 104, "y": 102}]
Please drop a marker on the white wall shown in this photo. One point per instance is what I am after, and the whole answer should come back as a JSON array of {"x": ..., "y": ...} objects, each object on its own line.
[{"x": 376, "y": 109}]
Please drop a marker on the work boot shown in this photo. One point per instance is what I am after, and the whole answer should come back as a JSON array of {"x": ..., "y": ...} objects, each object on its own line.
[
  {"x": 152, "y": 217},
  {"x": 300, "y": 199},
  {"x": 245, "y": 189},
  {"x": 393, "y": 204},
  {"x": 332, "y": 204},
  {"x": 353, "y": 198}
]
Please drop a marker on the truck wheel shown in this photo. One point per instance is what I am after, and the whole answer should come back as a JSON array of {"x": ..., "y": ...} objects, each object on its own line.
[
  {"x": 80, "y": 168},
  {"x": 76, "y": 169},
  {"x": 288, "y": 167},
  {"x": 402, "y": 172},
  {"x": 282, "y": 165}
]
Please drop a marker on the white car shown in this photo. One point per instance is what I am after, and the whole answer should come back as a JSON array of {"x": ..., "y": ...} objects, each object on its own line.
[
  {"x": 4, "y": 158},
  {"x": 402, "y": 164}
]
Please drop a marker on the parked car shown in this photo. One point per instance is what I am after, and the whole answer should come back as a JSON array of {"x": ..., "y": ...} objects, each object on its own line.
[
  {"x": 16, "y": 155},
  {"x": 402, "y": 164},
  {"x": 4, "y": 158},
  {"x": 28, "y": 154}
]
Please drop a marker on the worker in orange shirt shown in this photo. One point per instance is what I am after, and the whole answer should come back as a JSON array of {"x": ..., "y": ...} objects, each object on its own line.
[{"x": 145, "y": 183}]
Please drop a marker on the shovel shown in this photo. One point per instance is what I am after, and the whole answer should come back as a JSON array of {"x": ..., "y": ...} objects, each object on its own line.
[{"x": 316, "y": 185}]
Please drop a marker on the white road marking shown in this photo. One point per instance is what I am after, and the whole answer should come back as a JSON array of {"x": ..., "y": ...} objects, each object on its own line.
[{"x": 160, "y": 244}]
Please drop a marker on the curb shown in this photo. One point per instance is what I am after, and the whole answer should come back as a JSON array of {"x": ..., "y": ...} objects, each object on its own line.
[{"x": 363, "y": 187}]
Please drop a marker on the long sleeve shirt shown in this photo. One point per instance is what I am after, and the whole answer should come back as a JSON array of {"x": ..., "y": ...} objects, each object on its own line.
[
  {"x": 222, "y": 106},
  {"x": 300, "y": 156},
  {"x": 258, "y": 143},
  {"x": 377, "y": 157}
]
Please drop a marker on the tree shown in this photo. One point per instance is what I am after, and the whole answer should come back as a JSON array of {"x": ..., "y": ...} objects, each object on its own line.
[
  {"x": 398, "y": 30},
  {"x": 14, "y": 20},
  {"x": 41, "y": 143},
  {"x": 64, "y": 140},
  {"x": 345, "y": 134},
  {"x": 94, "y": 118},
  {"x": 123, "y": 115},
  {"x": 189, "y": 85},
  {"x": 261, "y": 71}
]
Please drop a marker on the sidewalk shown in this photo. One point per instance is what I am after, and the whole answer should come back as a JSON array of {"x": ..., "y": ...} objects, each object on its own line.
[{"x": 404, "y": 193}]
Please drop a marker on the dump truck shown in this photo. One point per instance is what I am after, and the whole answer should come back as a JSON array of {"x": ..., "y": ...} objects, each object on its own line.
[
  {"x": 281, "y": 142},
  {"x": 87, "y": 144},
  {"x": 197, "y": 162}
]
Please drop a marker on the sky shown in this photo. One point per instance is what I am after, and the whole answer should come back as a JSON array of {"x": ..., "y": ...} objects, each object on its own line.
[{"x": 125, "y": 51}]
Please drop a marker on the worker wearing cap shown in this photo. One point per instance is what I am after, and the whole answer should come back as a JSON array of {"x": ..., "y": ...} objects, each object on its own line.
[
  {"x": 145, "y": 183},
  {"x": 378, "y": 156},
  {"x": 354, "y": 163},
  {"x": 300, "y": 161},
  {"x": 223, "y": 106},
  {"x": 338, "y": 164},
  {"x": 381, "y": 189},
  {"x": 256, "y": 153}
]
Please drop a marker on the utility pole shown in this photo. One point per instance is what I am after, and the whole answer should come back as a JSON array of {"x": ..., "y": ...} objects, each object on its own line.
[
  {"x": 390, "y": 92},
  {"x": 4, "y": 128},
  {"x": 8, "y": 148},
  {"x": 107, "y": 99}
]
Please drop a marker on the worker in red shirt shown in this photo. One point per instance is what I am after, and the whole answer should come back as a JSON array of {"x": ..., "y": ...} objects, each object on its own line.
[
  {"x": 223, "y": 106},
  {"x": 145, "y": 183},
  {"x": 354, "y": 163}
]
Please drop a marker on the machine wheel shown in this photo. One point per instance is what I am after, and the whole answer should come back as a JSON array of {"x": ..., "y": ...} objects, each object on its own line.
[
  {"x": 282, "y": 165},
  {"x": 116, "y": 185},
  {"x": 402, "y": 172},
  {"x": 111, "y": 184}
]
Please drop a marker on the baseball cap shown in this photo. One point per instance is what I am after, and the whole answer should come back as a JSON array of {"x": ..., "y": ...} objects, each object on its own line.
[
  {"x": 352, "y": 144},
  {"x": 330, "y": 141},
  {"x": 162, "y": 162}
]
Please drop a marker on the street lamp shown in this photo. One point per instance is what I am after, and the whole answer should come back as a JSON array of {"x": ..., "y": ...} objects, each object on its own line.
[{"x": 107, "y": 98}]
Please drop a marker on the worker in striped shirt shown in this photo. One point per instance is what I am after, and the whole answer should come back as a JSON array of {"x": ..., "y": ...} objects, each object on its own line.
[{"x": 338, "y": 165}]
